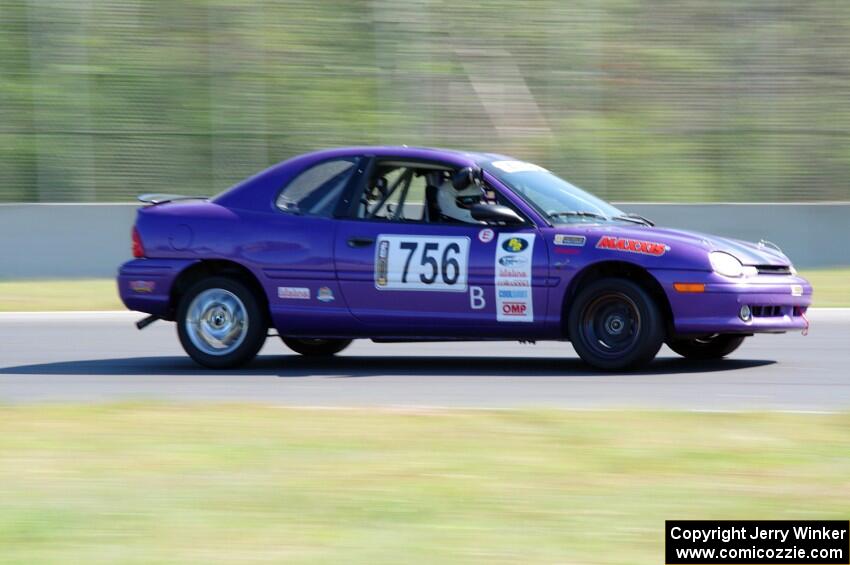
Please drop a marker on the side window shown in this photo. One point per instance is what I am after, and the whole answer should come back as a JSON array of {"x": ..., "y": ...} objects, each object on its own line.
[
  {"x": 316, "y": 191},
  {"x": 394, "y": 193}
]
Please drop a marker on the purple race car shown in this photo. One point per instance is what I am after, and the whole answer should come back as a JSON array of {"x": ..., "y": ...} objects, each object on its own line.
[{"x": 410, "y": 244}]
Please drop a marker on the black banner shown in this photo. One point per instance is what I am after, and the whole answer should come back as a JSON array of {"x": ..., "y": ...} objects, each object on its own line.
[{"x": 757, "y": 542}]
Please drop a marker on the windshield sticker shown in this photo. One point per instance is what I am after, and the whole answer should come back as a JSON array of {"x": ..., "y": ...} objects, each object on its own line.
[
  {"x": 517, "y": 167},
  {"x": 632, "y": 245},
  {"x": 513, "y": 278},
  {"x": 570, "y": 240}
]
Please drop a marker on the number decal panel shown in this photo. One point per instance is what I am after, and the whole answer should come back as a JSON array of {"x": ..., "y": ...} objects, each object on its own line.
[{"x": 410, "y": 262}]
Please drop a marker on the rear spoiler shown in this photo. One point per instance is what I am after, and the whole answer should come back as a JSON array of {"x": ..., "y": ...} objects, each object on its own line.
[{"x": 156, "y": 198}]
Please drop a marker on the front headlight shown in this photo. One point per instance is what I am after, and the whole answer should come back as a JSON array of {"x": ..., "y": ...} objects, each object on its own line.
[{"x": 725, "y": 264}]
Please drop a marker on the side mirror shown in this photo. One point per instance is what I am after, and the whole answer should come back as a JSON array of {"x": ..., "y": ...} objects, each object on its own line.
[
  {"x": 495, "y": 214},
  {"x": 465, "y": 177}
]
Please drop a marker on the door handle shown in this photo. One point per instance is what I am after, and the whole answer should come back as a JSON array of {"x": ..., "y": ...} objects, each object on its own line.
[{"x": 360, "y": 241}]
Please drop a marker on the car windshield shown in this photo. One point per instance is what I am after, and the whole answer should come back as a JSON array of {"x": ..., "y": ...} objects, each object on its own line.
[{"x": 551, "y": 196}]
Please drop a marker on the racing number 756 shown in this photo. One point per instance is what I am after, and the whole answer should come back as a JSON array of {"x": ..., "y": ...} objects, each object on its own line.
[{"x": 448, "y": 269}]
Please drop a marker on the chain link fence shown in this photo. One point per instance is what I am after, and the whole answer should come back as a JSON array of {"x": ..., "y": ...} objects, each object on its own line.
[{"x": 638, "y": 100}]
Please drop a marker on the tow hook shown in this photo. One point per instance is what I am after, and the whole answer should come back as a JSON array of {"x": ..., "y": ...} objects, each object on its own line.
[{"x": 145, "y": 322}]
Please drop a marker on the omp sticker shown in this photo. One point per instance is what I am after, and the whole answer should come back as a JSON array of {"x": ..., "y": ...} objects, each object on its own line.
[
  {"x": 517, "y": 166},
  {"x": 570, "y": 240},
  {"x": 431, "y": 263},
  {"x": 293, "y": 292},
  {"x": 486, "y": 235},
  {"x": 513, "y": 278},
  {"x": 325, "y": 294},
  {"x": 631, "y": 245}
]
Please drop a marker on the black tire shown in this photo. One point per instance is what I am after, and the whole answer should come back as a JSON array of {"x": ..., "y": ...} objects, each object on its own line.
[
  {"x": 711, "y": 347},
  {"x": 194, "y": 334},
  {"x": 316, "y": 347},
  {"x": 614, "y": 325}
]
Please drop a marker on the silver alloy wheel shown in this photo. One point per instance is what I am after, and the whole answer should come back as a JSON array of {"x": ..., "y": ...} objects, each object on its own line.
[{"x": 216, "y": 321}]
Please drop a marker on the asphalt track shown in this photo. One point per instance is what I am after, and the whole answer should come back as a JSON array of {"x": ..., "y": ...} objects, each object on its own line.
[{"x": 95, "y": 357}]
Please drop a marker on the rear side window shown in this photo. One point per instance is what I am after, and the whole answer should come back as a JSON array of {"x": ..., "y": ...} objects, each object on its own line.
[{"x": 316, "y": 191}]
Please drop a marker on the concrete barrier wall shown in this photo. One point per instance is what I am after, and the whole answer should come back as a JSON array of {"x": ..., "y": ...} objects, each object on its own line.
[{"x": 91, "y": 240}]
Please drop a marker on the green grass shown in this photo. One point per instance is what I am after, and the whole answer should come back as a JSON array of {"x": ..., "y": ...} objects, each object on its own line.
[
  {"x": 46, "y": 295},
  {"x": 832, "y": 288},
  {"x": 153, "y": 483}
]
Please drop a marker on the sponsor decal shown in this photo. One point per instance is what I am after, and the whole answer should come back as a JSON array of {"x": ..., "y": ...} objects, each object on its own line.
[
  {"x": 796, "y": 290},
  {"x": 632, "y": 245},
  {"x": 293, "y": 292},
  {"x": 476, "y": 298},
  {"x": 504, "y": 293},
  {"x": 514, "y": 282},
  {"x": 570, "y": 240},
  {"x": 486, "y": 235},
  {"x": 512, "y": 260},
  {"x": 414, "y": 262},
  {"x": 513, "y": 273},
  {"x": 513, "y": 278},
  {"x": 325, "y": 294},
  {"x": 143, "y": 287},
  {"x": 381, "y": 263},
  {"x": 514, "y": 244},
  {"x": 515, "y": 309},
  {"x": 567, "y": 251}
]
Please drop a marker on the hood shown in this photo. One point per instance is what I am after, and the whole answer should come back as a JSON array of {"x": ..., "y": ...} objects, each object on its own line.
[
  {"x": 682, "y": 241},
  {"x": 747, "y": 253}
]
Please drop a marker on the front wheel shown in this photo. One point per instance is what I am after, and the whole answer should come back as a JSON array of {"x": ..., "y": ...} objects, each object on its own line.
[
  {"x": 614, "y": 324},
  {"x": 316, "y": 347},
  {"x": 710, "y": 347},
  {"x": 220, "y": 323}
]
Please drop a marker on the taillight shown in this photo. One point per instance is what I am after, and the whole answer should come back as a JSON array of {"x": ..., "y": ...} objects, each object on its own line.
[{"x": 138, "y": 248}]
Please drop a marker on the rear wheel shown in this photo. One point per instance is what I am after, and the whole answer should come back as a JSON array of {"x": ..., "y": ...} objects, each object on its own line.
[
  {"x": 614, "y": 324},
  {"x": 316, "y": 347},
  {"x": 220, "y": 323},
  {"x": 709, "y": 347}
]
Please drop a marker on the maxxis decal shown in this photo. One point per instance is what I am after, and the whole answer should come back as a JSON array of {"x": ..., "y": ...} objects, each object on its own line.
[{"x": 632, "y": 245}]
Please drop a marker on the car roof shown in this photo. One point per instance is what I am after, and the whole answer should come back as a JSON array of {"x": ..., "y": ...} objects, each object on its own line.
[
  {"x": 256, "y": 192},
  {"x": 409, "y": 152}
]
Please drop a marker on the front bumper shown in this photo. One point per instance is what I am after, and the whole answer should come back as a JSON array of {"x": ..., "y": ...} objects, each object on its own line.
[{"x": 778, "y": 303}]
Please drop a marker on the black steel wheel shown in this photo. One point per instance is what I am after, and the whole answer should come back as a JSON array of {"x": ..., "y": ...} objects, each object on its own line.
[{"x": 614, "y": 324}]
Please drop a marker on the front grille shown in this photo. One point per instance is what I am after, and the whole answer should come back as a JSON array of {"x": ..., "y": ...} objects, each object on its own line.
[
  {"x": 773, "y": 269},
  {"x": 766, "y": 311}
]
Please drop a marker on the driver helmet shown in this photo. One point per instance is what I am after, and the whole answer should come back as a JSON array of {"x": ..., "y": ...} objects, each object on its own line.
[{"x": 455, "y": 203}]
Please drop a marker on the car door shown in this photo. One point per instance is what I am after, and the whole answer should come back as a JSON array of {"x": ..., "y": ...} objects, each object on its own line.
[{"x": 404, "y": 276}]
